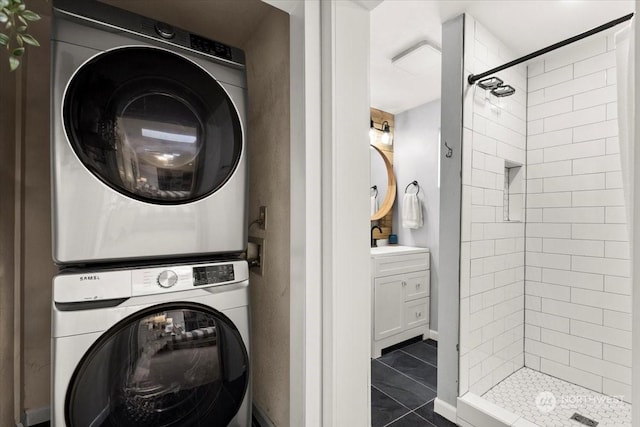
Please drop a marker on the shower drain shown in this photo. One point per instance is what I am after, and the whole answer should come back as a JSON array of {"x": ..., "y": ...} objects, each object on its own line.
[{"x": 584, "y": 420}]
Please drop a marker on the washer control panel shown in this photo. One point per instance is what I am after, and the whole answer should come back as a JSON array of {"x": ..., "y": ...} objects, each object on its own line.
[
  {"x": 74, "y": 286},
  {"x": 212, "y": 274},
  {"x": 167, "y": 278},
  {"x": 175, "y": 278}
]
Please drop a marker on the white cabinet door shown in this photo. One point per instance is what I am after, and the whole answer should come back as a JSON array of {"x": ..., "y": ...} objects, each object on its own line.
[
  {"x": 417, "y": 285},
  {"x": 388, "y": 306},
  {"x": 416, "y": 313}
]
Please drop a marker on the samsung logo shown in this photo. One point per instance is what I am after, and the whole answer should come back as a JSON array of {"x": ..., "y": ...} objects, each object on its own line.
[{"x": 93, "y": 277}]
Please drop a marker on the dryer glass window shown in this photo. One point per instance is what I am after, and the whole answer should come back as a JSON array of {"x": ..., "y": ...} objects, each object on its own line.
[
  {"x": 172, "y": 365},
  {"x": 153, "y": 125}
]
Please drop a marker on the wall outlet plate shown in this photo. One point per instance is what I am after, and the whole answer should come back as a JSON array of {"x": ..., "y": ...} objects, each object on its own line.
[
  {"x": 262, "y": 218},
  {"x": 258, "y": 267}
]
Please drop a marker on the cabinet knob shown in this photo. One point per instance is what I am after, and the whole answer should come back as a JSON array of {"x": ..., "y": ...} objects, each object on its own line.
[
  {"x": 418, "y": 314},
  {"x": 417, "y": 285},
  {"x": 404, "y": 283}
]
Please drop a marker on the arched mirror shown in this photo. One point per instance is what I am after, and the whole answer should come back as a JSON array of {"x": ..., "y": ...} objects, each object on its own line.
[{"x": 383, "y": 184}]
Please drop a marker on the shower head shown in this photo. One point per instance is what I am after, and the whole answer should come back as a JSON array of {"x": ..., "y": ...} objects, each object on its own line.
[
  {"x": 505, "y": 90},
  {"x": 490, "y": 83}
]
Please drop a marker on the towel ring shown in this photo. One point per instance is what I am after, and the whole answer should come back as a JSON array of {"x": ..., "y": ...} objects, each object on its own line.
[
  {"x": 410, "y": 184},
  {"x": 375, "y": 188}
]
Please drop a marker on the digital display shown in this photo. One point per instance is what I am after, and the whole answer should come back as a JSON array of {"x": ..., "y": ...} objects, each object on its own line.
[
  {"x": 213, "y": 274},
  {"x": 211, "y": 47}
]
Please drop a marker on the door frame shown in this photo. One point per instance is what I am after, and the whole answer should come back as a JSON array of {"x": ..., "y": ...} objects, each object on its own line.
[{"x": 330, "y": 322}]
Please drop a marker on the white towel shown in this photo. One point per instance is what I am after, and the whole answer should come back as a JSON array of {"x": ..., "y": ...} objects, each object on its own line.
[
  {"x": 374, "y": 205},
  {"x": 411, "y": 211}
]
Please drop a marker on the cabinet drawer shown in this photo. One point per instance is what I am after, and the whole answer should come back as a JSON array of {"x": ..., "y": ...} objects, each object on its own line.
[
  {"x": 398, "y": 264},
  {"x": 416, "y": 313},
  {"x": 416, "y": 285}
]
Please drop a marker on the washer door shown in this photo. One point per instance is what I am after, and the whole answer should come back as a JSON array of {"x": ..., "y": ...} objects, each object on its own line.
[
  {"x": 179, "y": 364},
  {"x": 152, "y": 125}
]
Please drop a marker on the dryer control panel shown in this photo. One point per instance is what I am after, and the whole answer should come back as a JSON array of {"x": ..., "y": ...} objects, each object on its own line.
[{"x": 100, "y": 14}]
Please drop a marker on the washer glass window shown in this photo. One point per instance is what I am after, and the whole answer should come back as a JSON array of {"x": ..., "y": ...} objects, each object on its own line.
[
  {"x": 152, "y": 125},
  {"x": 171, "y": 365}
]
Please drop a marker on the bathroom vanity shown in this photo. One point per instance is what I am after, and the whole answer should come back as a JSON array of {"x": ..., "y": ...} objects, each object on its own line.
[{"x": 400, "y": 302}]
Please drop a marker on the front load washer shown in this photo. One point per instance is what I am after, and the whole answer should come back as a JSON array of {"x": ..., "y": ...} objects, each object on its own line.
[
  {"x": 152, "y": 347},
  {"x": 148, "y": 139}
]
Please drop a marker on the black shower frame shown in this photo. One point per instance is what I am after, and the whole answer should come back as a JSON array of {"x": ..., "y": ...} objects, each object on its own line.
[{"x": 473, "y": 78}]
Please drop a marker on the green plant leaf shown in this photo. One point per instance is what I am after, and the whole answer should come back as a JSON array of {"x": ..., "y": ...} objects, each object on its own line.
[
  {"x": 13, "y": 63},
  {"x": 4, "y": 39},
  {"x": 18, "y": 51},
  {"x": 22, "y": 20},
  {"x": 30, "y": 16},
  {"x": 4, "y": 3},
  {"x": 21, "y": 28},
  {"x": 3, "y": 18},
  {"x": 29, "y": 39},
  {"x": 8, "y": 25},
  {"x": 19, "y": 40}
]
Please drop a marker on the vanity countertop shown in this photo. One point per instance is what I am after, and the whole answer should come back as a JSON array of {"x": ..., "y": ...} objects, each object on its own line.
[{"x": 396, "y": 250}]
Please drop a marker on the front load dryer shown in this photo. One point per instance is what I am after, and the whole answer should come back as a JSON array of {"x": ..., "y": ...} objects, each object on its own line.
[
  {"x": 162, "y": 346},
  {"x": 148, "y": 139}
]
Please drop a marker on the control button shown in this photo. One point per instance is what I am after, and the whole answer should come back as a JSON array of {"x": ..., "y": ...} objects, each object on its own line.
[
  {"x": 165, "y": 30},
  {"x": 167, "y": 279}
]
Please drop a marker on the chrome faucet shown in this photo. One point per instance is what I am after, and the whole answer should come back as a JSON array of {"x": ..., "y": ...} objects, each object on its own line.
[{"x": 374, "y": 243}]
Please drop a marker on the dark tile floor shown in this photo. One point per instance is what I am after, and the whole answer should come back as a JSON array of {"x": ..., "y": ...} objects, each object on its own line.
[{"x": 403, "y": 385}]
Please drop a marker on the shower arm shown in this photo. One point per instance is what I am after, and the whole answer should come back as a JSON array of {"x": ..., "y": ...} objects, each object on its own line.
[{"x": 473, "y": 78}]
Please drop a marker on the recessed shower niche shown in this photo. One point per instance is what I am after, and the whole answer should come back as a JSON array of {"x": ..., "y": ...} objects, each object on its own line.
[{"x": 514, "y": 192}]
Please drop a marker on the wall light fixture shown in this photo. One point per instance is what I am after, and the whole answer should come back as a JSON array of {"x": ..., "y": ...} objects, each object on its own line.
[{"x": 386, "y": 133}]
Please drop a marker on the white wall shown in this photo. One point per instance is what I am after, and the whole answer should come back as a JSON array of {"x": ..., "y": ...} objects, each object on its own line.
[
  {"x": 267, "y": 52},
  {"x": 415, "y": 157},
  {"x": 578, "y": 290},
  {"x": 636, "y": 233},
  {"x": 346, "y": 277},
  {"x": 492, "y": 251},
  {"x": 450, "y": 206},
  {"x": 305, "y": 261}
]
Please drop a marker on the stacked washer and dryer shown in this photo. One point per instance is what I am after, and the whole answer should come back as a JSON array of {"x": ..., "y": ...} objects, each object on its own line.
[{"x": 150, "y": 309}]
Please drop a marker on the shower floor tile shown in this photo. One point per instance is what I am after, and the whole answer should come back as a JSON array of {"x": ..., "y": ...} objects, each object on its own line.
[{"x": 549, "y": 401}]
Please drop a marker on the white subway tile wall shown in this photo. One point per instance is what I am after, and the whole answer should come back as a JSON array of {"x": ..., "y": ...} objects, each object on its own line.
[
  {"x": 578, "y": 303},
  {"x": 565, "y": 308},
  {"x": 492, "y": 268}
]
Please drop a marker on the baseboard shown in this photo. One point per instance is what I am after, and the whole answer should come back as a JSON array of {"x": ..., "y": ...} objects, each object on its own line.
[
  {"x": 433, "y": 334},
  {"x": 261, "y": 418},
  {"x": 31, "y": 417},
  {"x": 442, "y": 408}
]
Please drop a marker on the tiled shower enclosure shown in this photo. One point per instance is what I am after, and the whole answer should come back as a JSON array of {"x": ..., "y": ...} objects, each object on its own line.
[{"x": 545, "y": 282}]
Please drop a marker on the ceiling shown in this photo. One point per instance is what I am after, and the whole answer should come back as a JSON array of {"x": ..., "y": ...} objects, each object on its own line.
[{"x": 523, "y": 25}]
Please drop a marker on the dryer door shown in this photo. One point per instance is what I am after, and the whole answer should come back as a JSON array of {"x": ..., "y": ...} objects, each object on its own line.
[
  {"x": 152, "y": 125},
  {"x": 178, "y": 364}
]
